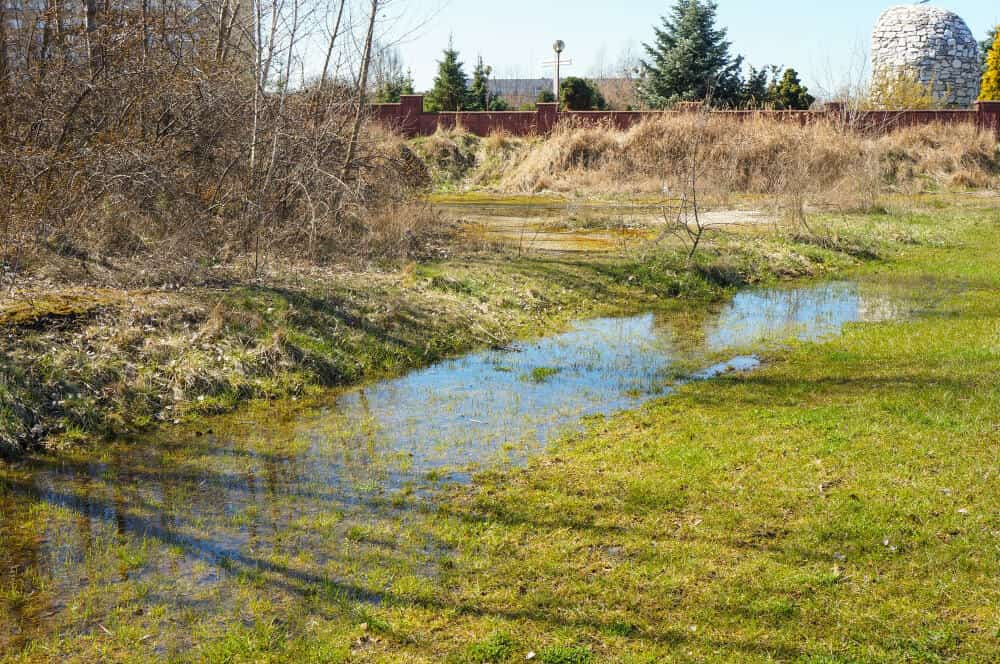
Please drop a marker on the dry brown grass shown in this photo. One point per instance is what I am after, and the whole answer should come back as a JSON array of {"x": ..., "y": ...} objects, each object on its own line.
[
  {"x": 952, "y": 156},
  {"x": 822, "y": 162}
]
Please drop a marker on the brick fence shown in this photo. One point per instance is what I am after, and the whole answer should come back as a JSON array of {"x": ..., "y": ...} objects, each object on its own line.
[{"x": 409, "y": 118}]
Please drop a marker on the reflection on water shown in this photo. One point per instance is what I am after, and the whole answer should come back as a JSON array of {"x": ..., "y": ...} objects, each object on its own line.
[
  {"x": 290, "y": 502},
  {"x": 806, "y": 314}
]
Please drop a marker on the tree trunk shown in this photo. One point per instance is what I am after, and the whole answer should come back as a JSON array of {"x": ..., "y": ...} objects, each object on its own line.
[
  {"x": 223, "y": 22},
  {"x": 359, "y": 116},
  {"x": 94, "y": 56},
  {"x": 4, "y": 67}
]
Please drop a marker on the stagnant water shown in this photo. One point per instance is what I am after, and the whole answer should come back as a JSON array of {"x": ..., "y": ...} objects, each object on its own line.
[
  {"x": 530, "y": 225},
  {"x": 184, "y": 515}
]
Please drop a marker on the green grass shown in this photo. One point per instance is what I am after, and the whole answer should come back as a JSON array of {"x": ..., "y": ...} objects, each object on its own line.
[
  {"x": 542, "y": 374},
  {"x": 838, "y": 505}
]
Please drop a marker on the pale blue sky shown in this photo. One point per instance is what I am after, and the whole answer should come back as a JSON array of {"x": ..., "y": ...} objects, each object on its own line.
[{"x": 827, "y": 41}]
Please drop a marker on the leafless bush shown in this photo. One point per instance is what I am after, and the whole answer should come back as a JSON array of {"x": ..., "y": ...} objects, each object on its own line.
[{"x": 175, "y": 132}]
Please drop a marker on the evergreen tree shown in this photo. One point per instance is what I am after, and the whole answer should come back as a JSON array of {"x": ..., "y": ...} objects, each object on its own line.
[
  {"x": 753, "y": 89},
  {"x": 789, "y": 93},
  {"x": 545, "y": 97},
  {"x": 450, "y": 91},
  {"x": 690, "y": 59},
  {"x": 987, "y": 44},
  {"x": 479, "y": 91},
  {"x": 390, "y": 90},
  {"x": 991, "y": 79},
  {"x": 578, "y": 94}
]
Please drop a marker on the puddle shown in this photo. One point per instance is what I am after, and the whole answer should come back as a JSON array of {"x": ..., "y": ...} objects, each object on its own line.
[
  {"x": 571, "y": 227},
  {"x": 322, "y": 497}
]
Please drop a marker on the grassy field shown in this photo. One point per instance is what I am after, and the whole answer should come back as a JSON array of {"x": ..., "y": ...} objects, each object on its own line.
[{"x": 838, "y": 505}]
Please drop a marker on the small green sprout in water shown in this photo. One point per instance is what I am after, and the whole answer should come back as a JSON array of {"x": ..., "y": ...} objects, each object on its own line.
[
  {"x": 14, "y": 597},
  {"x": 370, "y": 621},
  {"x": 132, "y": 556},
  {"x": 542, "y": 374}
]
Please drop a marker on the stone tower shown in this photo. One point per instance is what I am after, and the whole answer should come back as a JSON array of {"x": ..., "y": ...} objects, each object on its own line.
[{"x": 935, "y": 44}]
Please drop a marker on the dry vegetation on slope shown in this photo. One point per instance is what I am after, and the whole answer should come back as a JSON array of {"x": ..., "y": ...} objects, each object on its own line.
[{"x": 753, "y": 157}]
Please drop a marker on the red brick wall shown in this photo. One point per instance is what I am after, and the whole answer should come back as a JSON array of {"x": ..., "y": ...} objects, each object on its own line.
[{"x": 409, "y": 118}]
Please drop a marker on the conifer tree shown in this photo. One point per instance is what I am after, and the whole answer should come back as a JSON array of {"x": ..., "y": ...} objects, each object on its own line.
[
  {"x": 789, "y": 93},
  {"x": 391, "y": 89},
  {"x": 991, "y": 79},
  {"x": 986, "y": 45},
  {"x": 753, "y": 90},
  {"x": 450, "y": 91},
  {"x": 579, "y": 94},
  {"x": 479, "y": 91},
  {"x": 689, "y": 59}
]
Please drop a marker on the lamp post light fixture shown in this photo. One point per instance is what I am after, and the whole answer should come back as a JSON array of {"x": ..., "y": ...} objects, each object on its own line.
[
  {"x": 559, "y": 46},
  {"x": 489, "y": 73}
]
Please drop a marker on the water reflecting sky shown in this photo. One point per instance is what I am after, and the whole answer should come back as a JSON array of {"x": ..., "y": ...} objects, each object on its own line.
[{"x": 262, "y": 488}]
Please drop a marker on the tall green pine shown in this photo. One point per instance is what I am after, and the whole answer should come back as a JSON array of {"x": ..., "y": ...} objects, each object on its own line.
[
  {"x": 690, "y": 59},
  {"x": 450, "y": 91},
  {"x": 479, "y": 91},
  {"x": 987, "y": 44}
]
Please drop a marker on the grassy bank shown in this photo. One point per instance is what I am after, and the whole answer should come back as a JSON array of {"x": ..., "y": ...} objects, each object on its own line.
[
  {"x": 836, "y": 506},
  {"x": 79, "y": 363}
]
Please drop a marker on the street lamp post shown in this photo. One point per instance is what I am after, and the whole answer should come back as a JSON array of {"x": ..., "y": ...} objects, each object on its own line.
[
  {"x": 489, "y": 74},
  {"x": 558, "y": 47}
]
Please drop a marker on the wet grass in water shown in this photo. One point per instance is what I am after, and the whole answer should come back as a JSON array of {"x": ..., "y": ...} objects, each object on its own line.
[{"x": 836, "y": 505}]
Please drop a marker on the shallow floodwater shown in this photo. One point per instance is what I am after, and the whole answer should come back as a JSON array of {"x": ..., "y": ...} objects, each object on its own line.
[
  {"x": 297, "y": 489},
  {"x": 568, "y": 226},
  {"x": 555, "y": 226}
]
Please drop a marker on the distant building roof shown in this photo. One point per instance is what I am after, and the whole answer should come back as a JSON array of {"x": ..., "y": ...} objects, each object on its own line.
[{"x": 519, "y": 87}]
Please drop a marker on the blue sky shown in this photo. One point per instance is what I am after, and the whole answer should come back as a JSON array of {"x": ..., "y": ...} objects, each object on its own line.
[{"x": 827, "y": 41}]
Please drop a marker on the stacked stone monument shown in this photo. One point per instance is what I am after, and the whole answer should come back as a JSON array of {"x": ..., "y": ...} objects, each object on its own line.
[{"x": 933, "y": 44}]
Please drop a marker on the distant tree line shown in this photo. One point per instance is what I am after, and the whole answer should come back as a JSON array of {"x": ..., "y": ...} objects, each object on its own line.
[
  {"x": 453, "y": 91},
  {"x": 690, "y": 59}
]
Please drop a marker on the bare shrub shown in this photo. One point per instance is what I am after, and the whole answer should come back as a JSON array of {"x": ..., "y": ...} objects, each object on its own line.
[{"x": 173, "y": 134}]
